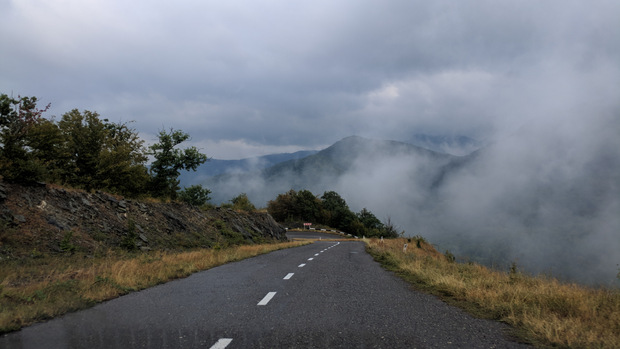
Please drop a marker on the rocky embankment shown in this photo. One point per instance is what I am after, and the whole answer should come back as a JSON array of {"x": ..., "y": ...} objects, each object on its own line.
[{"x": 49, "y": 219}]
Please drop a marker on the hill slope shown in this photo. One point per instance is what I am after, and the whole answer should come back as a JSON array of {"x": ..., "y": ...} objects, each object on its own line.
[{"x": 51, "y": 219}]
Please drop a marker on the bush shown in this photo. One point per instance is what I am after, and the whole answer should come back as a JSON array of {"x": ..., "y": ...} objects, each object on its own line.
[
  {"x": 449, "y": 256},
  {"x": 128, "y": 241},
  {"x": 195, "y": 195},
  {"x": 66, "y": 245},
  {"x": 241, "y": 202}
]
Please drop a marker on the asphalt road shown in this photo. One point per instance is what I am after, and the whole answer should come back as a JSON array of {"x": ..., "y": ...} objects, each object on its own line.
[
  {"x": 323, "y": 295},
  {"x": 312, "y": 234}
]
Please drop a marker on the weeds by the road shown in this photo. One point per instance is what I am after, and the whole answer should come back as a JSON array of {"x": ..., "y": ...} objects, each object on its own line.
[
  {"x": 542, "y": 309},
  {"x": 38, "y": 289}
]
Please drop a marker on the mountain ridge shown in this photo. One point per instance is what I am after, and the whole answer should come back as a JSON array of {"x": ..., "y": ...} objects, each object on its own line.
[
  {"x": 451, "y": 145},
  {"x": 321, "y": 171}
]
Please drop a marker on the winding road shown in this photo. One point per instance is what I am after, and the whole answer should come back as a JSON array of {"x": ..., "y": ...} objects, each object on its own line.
[{"x": 328, "y": 294}]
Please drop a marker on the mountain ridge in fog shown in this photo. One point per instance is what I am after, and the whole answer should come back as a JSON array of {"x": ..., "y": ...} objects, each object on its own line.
[
  {"x": 322, "y": 171},
  {"x": 550, "y": 207},
  {"x": 215, "y": 167}
]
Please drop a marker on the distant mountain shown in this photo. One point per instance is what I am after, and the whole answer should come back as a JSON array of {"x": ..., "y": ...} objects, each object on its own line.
[
  {"x": 454, "y": 145},
  {"x": 215, "y": 167},
  {"x": 335, "y": 156},
  {"x": 327, "y": 169}
]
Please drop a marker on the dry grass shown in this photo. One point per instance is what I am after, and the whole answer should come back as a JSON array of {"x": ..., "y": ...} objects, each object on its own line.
[
  {"x": 44, "y": 288},
  {"x": 542, "y": 309}
]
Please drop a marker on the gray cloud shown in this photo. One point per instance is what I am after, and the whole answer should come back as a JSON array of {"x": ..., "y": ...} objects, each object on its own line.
[
  {"x": 539, "y": 79},
  {"x": 314, "y": 70}
]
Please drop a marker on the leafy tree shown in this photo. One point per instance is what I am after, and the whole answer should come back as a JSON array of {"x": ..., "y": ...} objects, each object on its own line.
[
  {"x": 389, "y": 229},
  {"x": 308, "y": 207},
  {"x": 338, "y": 213},
  {"x": 17, "y": 117},
  {"x": 243, "y": 203},
  {"x": 169, "y": 161},
  {"x": 47, "y": 144},
  {"x": 283, "y": 207},
  {"x": 369, "y": 220},
  {"x": 331, "y": 209},
  {"x": 101, "y": 154},
  {"x": 85, "y": 137},
  {"x": 122, "y": 160},
  {"x": 195, "y": 195},
  {"x": 356, "y": 228}
]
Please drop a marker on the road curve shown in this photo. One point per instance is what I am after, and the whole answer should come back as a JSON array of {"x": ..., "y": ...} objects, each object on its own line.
[
  {"x": 323, "y": 295},
  {"x": 310, "y": 234}
]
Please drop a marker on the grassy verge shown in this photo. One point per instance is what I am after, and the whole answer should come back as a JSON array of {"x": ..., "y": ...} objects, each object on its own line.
[
  {"x": 38, "y": 289},
  {"x": 543, "y": 310}
]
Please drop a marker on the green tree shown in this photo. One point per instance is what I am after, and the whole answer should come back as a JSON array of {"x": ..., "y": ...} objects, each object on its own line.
[
  {"x": 243, "y": 203},
  {"x": 169, "y": 161},
  {"x": 17, "y": 118},
  {"x": 308, "y": 207},
  {"x": 356, "y": 228},
  {"x": 389, "y": 229},
  {"x": 372, "y": 224},
  {"x": 101, "y": 154},
  {"x": 47, "y": 144},
  {"x": 195, "y": 195},
  {"x": 84, "y": 135},
  {"x": 122, "y": 161},
  {"x": 282, "y": 209},
  {"x": 337, "y": 211}
]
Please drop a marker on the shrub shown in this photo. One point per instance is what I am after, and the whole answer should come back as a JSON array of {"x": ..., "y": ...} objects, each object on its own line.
[
  {"x": 128, "y": 241},
  {"x": 195, "y": 195},
  {"x": 241, "y": 202},
  {"x": 66, "y": 245}
]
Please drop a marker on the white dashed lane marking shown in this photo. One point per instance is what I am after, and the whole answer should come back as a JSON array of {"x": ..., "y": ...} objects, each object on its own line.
[
  {"x": 288, "y": 276},
  {"x": 267, "y": 298},
  {"x": 221, "y": 343},
  {"x": 310, "y": 259},
  {"x": 301, "y": 265}
]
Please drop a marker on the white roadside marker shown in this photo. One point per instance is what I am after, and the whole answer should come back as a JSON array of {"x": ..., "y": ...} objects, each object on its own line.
[
  {"x": 267, "y": 298},
  {"x": 288, "y": 276},
  {"x": 221, "y": 343}
]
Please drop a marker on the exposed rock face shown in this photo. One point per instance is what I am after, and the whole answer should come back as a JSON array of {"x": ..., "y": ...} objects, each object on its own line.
[{"x": 39, "y": 217}]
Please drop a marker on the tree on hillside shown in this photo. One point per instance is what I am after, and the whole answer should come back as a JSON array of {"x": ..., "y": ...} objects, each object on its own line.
[
  {"x": 297, "y": 206},
  {"x": 195, "y": 195},
  {"x": 369, "y": 220},
  {"x": 338, "y": 213},
  {"x": 102, "y": 154},
  {"x": 282, "y": 209},
  {"x": 389, "y": 229},
  {"x": 331, "y": 209},
  {"x": 122, "y": 160},
  {"x": 46, "y": 142},
  {"x": 308, "y": 207},
  {"x": 84, "y": 136},
  {"x": 17, "y": 118},
  {"x": 169, "y": 161},
  {"x": 242, "y": 202}
]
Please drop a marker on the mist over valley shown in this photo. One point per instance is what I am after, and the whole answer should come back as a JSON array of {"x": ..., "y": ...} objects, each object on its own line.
[{"x": 550, "y": 208}]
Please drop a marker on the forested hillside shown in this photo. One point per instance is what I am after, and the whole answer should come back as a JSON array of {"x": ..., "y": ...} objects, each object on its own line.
[{"x": 83, "y": 150}]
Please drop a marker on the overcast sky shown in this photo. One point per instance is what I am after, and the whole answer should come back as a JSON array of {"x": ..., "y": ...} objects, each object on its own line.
[{"x": 248, "y": 78}]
